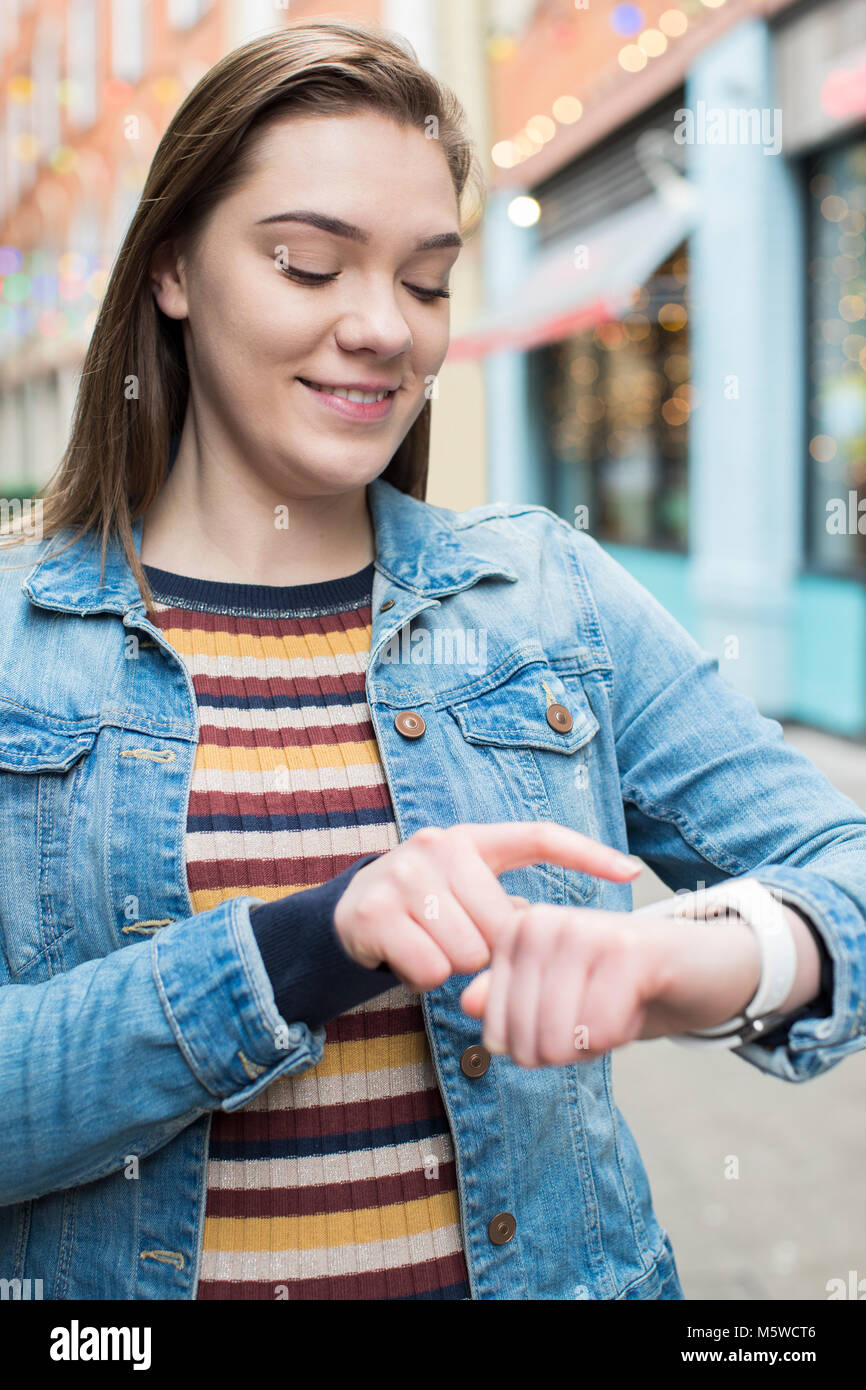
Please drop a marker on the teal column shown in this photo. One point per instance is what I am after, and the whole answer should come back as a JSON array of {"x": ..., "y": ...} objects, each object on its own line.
[
  {"x": 748, "y": 342},
  {"x": 512, "y": 464}
]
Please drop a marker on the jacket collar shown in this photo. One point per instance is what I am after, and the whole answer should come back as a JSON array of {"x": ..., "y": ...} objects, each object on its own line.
[{"x": 417, "y": 546}]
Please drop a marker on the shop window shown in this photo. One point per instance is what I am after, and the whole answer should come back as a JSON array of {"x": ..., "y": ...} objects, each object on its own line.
[
  {"x": 617, "y": 404},
  {"x": 836, "y": 433},
  {"x": 183, "y": 14},
  {"x": 129, "y": 23},
  {"x": 82, "y": 61}
]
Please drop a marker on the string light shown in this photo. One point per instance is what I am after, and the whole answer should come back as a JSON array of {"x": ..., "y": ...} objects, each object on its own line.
[
  {"x": 626, "y": 20},
  {"x": 541, "y": 128},
  {"x": 632, "y": 58},
  {"x": 673, "y": 23},
  {"x": 652, "y": 42},
  {"x": 567, "y": 110},
  {"x": 822, "y": 448},
  {"x": 524, "y": 211},
  {"x": 672, "y": 317},
  {"x": 504, "y": 154}
]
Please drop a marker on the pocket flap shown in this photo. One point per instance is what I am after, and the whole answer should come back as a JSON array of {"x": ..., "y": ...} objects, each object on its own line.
[
  {"x": 31, "y": 741},
  {"x": 515, "y": 712}
]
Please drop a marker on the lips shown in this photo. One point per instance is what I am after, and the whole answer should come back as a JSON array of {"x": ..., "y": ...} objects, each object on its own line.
[{"x": 362, "y": 396}]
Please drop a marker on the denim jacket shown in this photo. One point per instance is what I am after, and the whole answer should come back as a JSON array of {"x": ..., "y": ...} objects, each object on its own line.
[{"x": 126, "y": 1020}]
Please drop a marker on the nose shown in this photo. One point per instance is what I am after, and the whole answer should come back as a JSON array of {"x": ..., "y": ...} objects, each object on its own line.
[{"x": 375, "y": 322}]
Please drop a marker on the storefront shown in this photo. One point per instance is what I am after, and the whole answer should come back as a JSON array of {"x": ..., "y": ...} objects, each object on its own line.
[{"x": 697, "y": 399}]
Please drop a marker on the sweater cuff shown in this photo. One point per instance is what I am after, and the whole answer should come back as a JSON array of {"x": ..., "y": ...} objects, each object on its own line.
[{"x": 313, "y": 977}]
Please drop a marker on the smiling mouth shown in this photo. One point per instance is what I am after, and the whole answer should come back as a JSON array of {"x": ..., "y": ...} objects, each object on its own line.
[{"x": 362, "y": 397}]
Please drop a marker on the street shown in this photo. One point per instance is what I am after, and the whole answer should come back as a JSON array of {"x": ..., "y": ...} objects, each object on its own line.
[{"x": 795, "y": 1216}]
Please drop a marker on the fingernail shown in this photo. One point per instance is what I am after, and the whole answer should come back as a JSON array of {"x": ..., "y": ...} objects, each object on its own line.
[{"x": 627, "y": 862}]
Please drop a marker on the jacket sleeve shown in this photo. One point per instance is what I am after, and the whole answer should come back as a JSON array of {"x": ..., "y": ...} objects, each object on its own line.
[
  {"x": 116, "y": 1056},
  {"x": 712, "y": 791}
]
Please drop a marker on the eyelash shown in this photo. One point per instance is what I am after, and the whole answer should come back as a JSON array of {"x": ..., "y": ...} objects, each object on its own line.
[{"x": 307, "y": 277}]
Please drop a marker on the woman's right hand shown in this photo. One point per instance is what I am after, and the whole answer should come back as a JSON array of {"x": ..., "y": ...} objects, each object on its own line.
[{"x": 432, "y": 907}]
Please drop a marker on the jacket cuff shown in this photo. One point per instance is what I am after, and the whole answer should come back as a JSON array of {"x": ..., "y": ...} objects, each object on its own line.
[
  {"x": 824, "y": 1031},
  {"x": 313, "y": 977}
]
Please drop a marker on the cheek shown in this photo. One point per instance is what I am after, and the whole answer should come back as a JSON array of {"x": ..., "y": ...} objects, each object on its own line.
[{"x": 431, "y": 340}]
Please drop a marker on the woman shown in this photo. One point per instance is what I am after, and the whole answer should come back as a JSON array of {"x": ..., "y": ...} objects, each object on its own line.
[{"x": 268, "y": 750}]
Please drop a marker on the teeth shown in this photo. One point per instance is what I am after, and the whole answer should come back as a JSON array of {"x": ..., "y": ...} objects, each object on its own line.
[{"x": 362, "y": 397}]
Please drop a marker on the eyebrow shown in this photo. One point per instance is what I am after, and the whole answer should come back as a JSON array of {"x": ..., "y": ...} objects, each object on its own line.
[{"x": 345, "y": 229}]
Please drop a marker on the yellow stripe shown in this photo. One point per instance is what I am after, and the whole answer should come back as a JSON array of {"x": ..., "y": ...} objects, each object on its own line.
[
  {"x": 211, "y": 757},
  {"x": 198, "y": 642},
  {"x": 236, "y": 1234},
  {"x": 371, "y": 1054},
  {"x": 203, "y": 899}
]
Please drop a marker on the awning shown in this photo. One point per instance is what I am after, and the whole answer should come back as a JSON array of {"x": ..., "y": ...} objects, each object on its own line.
[{"x": 583, "y": 279}]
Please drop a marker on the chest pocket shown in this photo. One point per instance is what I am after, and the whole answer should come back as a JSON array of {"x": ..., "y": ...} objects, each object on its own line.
[
  {"x": 524, "y": 765},
  {"x": 41, "y": 761}
]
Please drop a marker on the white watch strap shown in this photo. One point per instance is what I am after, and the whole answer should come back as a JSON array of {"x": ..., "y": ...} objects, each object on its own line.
[{"x": 757, "y": 906}]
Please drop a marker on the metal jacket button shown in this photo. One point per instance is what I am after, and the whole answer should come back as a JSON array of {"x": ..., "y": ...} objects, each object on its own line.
[
  {"x": 475, "y": 1060},
  {"x": 389, "y": 603},
  {"x": 559, "y": 718},
  {"x": 501, "y": 1228},
  {"x": 409, "y": 723}
]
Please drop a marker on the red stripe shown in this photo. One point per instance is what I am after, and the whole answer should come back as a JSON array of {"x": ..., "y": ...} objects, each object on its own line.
[
  {"x": 290, "y": 1122},
  {"x": 247, "y": 688},
  {"x": 267, "y": 873},
  {"x": 376, "y": 1284},
  {"x": 383, "y": 1022},
  {"x": 309, "y": 736},
  {"x": 270, "y": 1203},
  {"x": 245, "y": 625},
  {"x": 275, "y": 803}
]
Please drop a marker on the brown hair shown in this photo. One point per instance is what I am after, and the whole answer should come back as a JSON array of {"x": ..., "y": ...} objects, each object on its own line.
[{"x": 117, "y": 456}]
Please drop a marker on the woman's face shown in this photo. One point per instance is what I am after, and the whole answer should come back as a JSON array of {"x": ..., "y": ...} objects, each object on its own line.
[{"x": 312, "y": 276}]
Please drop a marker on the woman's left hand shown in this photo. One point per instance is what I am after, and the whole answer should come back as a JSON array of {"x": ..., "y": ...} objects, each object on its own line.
[{"x": 568, "y": 984}]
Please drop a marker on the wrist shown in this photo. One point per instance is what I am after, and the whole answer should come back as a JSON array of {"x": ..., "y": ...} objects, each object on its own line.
[
  {"x": 748, "y": 902},
  {"x": 707, "y": 972}
]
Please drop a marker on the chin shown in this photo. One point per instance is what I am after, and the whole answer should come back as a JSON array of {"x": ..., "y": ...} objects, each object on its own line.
[{"x": 318, "y": 475}]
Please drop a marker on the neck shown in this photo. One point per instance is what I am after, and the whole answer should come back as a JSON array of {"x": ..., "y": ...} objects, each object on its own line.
[{"x": 232, "y": 526}]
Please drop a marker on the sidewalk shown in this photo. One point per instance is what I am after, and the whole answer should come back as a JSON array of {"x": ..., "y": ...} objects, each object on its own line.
[{"x": 795, "y": 1217}]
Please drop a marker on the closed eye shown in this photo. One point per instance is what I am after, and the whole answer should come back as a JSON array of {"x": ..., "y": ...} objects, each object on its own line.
[{"x": 308, "y": 277}]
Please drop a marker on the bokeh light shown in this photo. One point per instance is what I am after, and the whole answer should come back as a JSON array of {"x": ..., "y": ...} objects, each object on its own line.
[
  {"x": 524, "y": 211},
  {"x": 673, "y": 23},
  {"x": 822, "y": 448},
  {"x": 652, "y": 42},
  {"x": 632, "y": 58},
  {"x": 626, "y": 20},
  {"x": 567, "y": 110}
]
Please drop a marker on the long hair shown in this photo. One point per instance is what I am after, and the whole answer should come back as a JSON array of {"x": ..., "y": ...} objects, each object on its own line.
[{"x": 117, "y": 454}]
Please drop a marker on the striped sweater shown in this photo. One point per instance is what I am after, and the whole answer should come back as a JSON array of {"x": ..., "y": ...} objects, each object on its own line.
[{"x": 339, "y": 1183}]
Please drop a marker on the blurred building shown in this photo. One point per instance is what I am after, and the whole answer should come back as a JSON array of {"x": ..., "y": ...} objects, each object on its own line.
[
  {"x": 87, "y": 88},
  {"x": 660, "y": 332},
  {"x": 675, "y": 329}
]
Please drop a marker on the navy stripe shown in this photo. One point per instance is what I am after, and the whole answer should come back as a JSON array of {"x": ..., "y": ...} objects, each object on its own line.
[
  {"x": 306, "y": 820},
  {"x": 250, "y": 701},
  {"x": 280, "y": 600},
  {"x": 315, "y": 1144}
]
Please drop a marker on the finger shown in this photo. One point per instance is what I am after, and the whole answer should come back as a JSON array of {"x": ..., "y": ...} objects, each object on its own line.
[
  {"x": 514, "y": 845},
  {"x": 535, "y": 940},
  {"x": 481, "y": 894},
  {"x": 562, "y": 1035},
  {"x": 454, "y": 932},
  {"x": 494, "y": 1032},
  {"x": 612, "y": 997},
  {"x": 474, "y": 997},
  {"x": 412, "y": 954}
]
